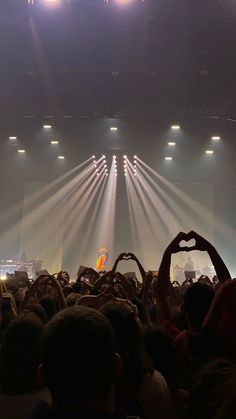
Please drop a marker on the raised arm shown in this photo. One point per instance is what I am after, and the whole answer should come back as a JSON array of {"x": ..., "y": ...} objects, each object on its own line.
[{"x": 221, "y": 269}]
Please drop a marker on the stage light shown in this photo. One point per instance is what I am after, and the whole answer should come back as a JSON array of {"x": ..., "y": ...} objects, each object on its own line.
[
  {"x": 209, "y": 152},
  {"x": 47, "y": 126},
  {"x": 103, "y": 156},
  {"x": 123, "y": 2},
  {"x": 105, "y": 165},
  {"x": 171, "y": 143},
  {"x": 113, "y": 129},
  {"x": 125, "y": 174},
  {"x": 61, "y": 157},
  {"x": 114, "y": 157},
  {"x": 21, "y": 151},
  {"x": 135, "y": 157},
  {"x": 106, "y": 174},
  {"x": 97, "y": 174},
  {"x": 168, "y": 158},
  {"x": 54, "y": 142},
  {"x": 135, "y": 174},
  {"x": 93, "y": 157},
  {"x": 13, "y": 138},
  {"x": 135, "y": 161},
  {"x": 175, "y": 127},
  {"x": 51, "y": 3},
  {"x": 125, "y": 157},
  {"x": 215, "y": 138}
]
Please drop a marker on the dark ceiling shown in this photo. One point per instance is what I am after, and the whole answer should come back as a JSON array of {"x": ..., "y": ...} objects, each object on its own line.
[{"x": 89, "y": 58}]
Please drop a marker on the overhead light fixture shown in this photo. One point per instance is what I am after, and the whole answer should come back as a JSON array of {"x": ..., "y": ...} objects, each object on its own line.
[
  {"x": 171, "y": 143},
  {"x": 47, "y": 126},
  {"x": 209, "y": 152},
  {"x": 13, "y": 138},
  {"x": 216, "y": 137},
  {"x": 168, "y": 158},
  {"x": 21, "y": 151},
  {"x": 61, "y": 157},
  {"x": 113, "y": 129},
  {"x": 123, "y": 2},
  {"x": 175, "y": 127},
  {"x": 54, "y": 142}
]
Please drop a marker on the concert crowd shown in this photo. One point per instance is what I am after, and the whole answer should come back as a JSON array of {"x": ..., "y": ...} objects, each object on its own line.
[{"x": 107, "y": 346}]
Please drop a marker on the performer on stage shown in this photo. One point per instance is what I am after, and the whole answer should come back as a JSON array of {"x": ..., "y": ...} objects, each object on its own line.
[{"x": 102, "y": 260}]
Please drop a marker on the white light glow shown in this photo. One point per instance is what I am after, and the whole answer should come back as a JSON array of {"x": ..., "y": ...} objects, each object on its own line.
[
  {"x": 13, "y": 138},
  {"x": 209, "y": 152},
  {"x": 21, "y": 151},
  {"x": 125, "y": 157},
  {"x": 61, "y": 157},
  {"x": 113, "y": 129},
  {"x": 175, "y": 127},
  {"x": 47, "y": 126},
  {"x": 123, "y": 2},
  {"x": 135, "y": 157},
  {"x": 171, "y": 143},
  {"x": 215, "y": 138},
  {"x": 114, "y": 157},
  {"x": 93, "y": 157},
  {"x": 168, "y": 158},
  {"x": 54, "y": 142}
]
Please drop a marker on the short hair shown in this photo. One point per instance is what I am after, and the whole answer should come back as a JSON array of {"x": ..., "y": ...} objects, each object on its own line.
[
  {"x": 49, "y": 305},
  {"x": 20, "y": 355},
  {"x": 197, "y": 300},
  {"x": 209, "y": 389},
  {"x": 78, "y": 355}
]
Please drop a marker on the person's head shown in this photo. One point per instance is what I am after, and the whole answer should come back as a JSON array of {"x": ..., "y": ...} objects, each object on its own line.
[
  {"x": 79, "y": 362},
  {"x": 129, "y": 341},
  {"x": 67, "y": 290},
  {"x": 72, "y": 298},
  {"x": 38, "y": 310},
  {"x": 228, "y": 407},
  {"x": 197, "y": 300},
  {"x": 20, "y": 355},
  {"x": 49, "y": 305},
  {"x": 159, "y": 347},
  {"x": 208, "y": 390}
]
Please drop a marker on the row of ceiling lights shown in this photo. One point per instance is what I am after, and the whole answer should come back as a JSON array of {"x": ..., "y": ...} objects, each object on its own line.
[{"x": 115, "y": 129}]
